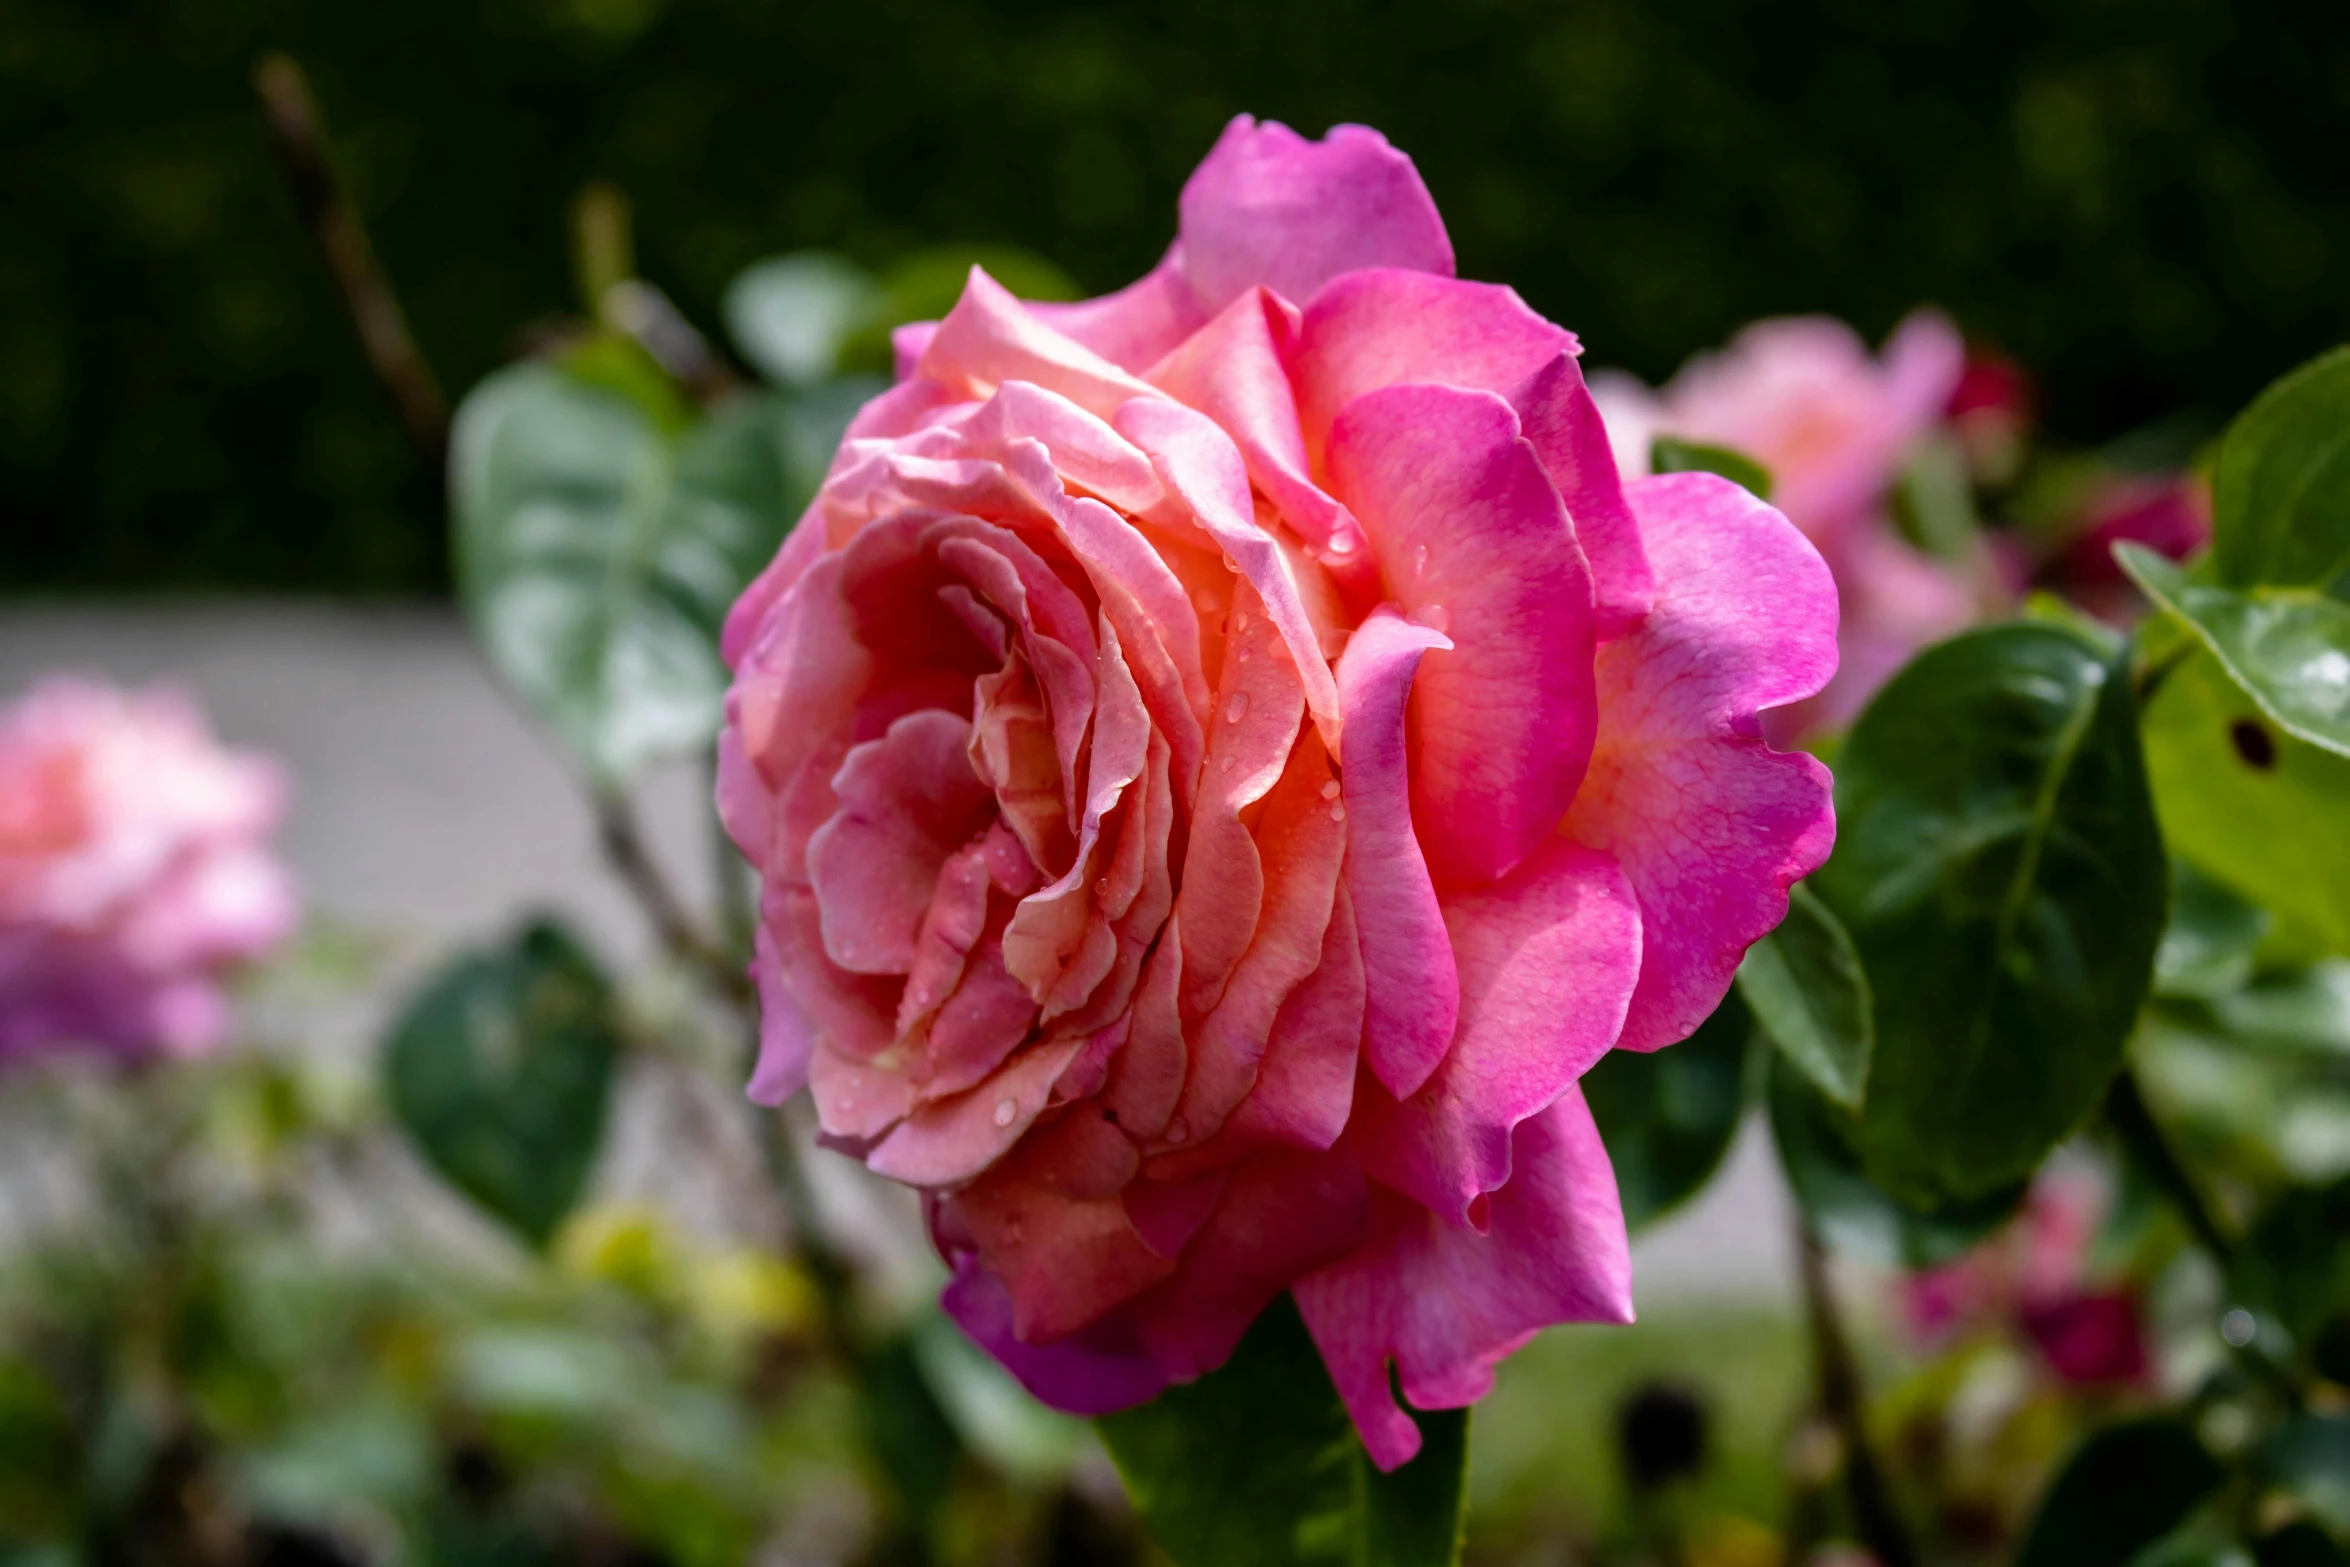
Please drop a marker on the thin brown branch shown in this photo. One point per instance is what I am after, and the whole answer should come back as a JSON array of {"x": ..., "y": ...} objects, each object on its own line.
[
  {"x": 1873, "y": 1516},
  {"x": 632, "y": 861},
  {"x": 297, "y": 133}
]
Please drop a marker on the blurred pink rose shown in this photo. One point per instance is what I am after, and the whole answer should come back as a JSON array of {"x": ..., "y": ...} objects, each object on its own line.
[
  {"x": 2169, "y": 513},
  {"x": 2033, "y": 1279},
  {"x": 1803, "y": 396},
  {"x": 133, "y": 868},
  {"x": 1072, "y": 917}
]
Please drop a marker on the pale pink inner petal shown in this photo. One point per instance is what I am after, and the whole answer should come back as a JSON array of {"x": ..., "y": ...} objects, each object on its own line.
[{"x": 907, "y": 802}]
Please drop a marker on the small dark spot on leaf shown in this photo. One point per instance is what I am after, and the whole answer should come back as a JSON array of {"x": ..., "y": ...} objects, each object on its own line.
[{"x": 2253, "y": 744}]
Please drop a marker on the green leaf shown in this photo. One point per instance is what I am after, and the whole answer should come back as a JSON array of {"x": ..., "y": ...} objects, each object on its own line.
[
  {"x": 2263, "y": 813},
  {"x": 1998, "y": 867},
  {"x": 1853, "y": 1214},
  {"x": 2127, "y": 1487},
  {"x": 1669, "y": 454},
  {"x": 1257, "y": 1465},
  {"x": 2309, "y": 1457},
  {"x": 792, "y": 315},
  {"x": 925, "y": 285},
  {"x": 597, "y": 556},
  {"x": 2207, "y": 949},
  {"x": 2280, "y": 498},
  {"x": 2289, "y": 648},
  {"x": 2194, "y": 1546},
  {"x": 501, "y": 1071},
  {"x": 1805, "y": 986},
  {"x": 1668, "y": 1116},
  {"x": 2292, "y": 1271}
]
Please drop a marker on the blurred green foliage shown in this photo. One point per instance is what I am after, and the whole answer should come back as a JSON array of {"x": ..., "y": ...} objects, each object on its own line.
[{"x": 2146, "y": 203}]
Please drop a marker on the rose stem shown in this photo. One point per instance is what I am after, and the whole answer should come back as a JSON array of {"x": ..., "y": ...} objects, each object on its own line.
[
  {"x": 298, "y": 134},
  {"x": 1880, "y": 1528}
]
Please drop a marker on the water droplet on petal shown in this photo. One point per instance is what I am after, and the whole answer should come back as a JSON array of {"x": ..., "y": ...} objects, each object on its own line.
[
  {"x": 1101, "y": 886},
  {"x": 1229, "y": 563},
  {"x": 1342, "y": 544},
  {"x": 1225, "y": 765},
  {"x": 1420, "y": 561},
  {"x": 1178, "y": 1129},
  {"x": 1237, "y": 708},
  {"x": 1005, "y": 1109},
  {"x": 1435, "y": 617},
  {"x": 1338, "y": 813},
  {"x": 1244, "y": 655},
  {"x": 1239, "y": 621},
  {"x": 1330, "y": 790}
]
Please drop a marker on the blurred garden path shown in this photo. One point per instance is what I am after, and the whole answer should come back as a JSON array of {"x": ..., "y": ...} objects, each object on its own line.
[{"x": 426, "y": 810}]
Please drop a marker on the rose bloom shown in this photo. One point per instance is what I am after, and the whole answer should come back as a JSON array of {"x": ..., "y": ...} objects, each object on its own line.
[
  {"x": 1803, "y": 396},
  {"x": 2169, "y": 513},
  {"x": 1224, "y": 758},
  {"x": 134, "y": 868}
]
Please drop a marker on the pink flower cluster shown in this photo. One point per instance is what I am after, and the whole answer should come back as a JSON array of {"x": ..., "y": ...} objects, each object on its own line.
[
  {"x": 133, "y": 868},
  {"x": 1224, "y": 758},
  {"x": 1804, "y": 397}
]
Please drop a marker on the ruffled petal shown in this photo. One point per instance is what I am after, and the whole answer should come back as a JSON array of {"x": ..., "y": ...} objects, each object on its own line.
[
  {"x": 951, "y": 1140},
  {"x": 1096, "y": 1372},
  {"x": 1412, "y": 996},
  {"x": 1138, "y": 325},
  {"x": 990, "y": 338},
  {"x": 1472, "y": 539},
  {"x": 1709, "y": 823},
  {"x": 1548, "y": 960},
  {"x": 907, "y": 801},
  {"x": 1444, "y": 1305},
  {"x": 1269, "y": 207}
]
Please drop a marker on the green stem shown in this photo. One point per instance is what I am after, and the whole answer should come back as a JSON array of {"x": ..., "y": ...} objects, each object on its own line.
[
  {"x": 632, "y": 861},
  {"x": 1873, "y": 1517},
  {"x": 2142, "y": 1136}
]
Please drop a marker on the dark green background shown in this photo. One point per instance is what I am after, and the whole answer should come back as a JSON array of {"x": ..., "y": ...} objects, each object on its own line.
[{"x": 2148, "y": 203}]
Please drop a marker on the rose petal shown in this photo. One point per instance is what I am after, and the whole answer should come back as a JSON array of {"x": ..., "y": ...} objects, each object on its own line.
[
  {"x": 907, "y": 802},
  {"x": 1267, "y": 206},
  {"x": 951, "y": 1140},
  {"x": 1710, "y": 825},
  {"x": 1471, "y": 538},
  {"x": 1097, "y": 1372},
  {"x": 1412, "y": 997},
  {"x": 1445, "y": 1305},
  {"x": 1548, "y": 958}
]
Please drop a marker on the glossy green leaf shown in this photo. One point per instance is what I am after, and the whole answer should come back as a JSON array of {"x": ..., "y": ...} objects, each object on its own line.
[
  {"x": 2289, "y": 648},
  {"x": 1669, "y": 454},
  {"x": 500, "y": 1070},
  {"x": 2280, "y": 498},
  {"x": 2263, "y": 813},
  {"x": 1999, "y": 870},
  {"x": 2127, "y": 1487},
  {"x": 1805, "y": 986},
  {"x": 791, "y": 315},
  {"x": 1853, "y": 1214},
  {"x": 597, "y": 555},
  {"x": 1257, "y": 1465},
  {"x": 1669, "y": 1116}
]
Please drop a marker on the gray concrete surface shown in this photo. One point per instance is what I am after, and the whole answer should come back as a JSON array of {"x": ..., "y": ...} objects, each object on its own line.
[{"x": 428, "y": 810}]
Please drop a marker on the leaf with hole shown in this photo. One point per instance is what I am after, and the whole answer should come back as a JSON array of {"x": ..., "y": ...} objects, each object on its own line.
[
  {"x": 1668, "y": 1116},
  {"x": 1257, "y": 1465},
  {"x": 2263, "y": 813},
  {"x": 500, "y": 1071},
  {"x": 1999, "y": 870},
  {"x": 1804, "y": 984},
  {"x": 2288, "y": 648}
]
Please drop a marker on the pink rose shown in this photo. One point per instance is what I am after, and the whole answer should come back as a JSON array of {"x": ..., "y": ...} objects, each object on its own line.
[
  {"x": 1224, "y": 759},
  {"x": 1803, "y": 396},
  {"x": 2169, "y": 513},
  {"x": 133, "y": 869}
]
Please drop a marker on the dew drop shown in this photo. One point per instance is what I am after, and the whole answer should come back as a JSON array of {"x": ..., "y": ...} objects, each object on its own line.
[
  {"x": 1225, "y": 765},
  {"x": 1244, "y": 655},
  {"x": 1338, "y": 813},
  {"x": 1178, "y": 1129},
  {"x": 1239, "y": 621},
  {"x": 1330, "y": 790},
  {"x": 1204, "y": 598},
  {"x": 1237, "y": 708},
  {"x": 1342, "y": 544},
  {"x": 1229, "y": 563},
  {"x": 1420, "y": 561},
  {"x": 1005, "y": 1109},
  {"x": 1435, "y": 617},
  {"x": 1101, "y": 886}
]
